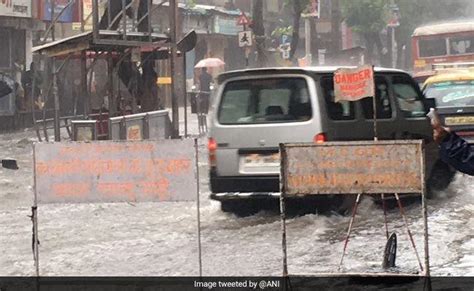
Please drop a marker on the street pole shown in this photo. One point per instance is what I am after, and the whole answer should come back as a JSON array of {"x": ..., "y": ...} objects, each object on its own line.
[
  {"x": 174, "y": 76},
  {"x": 84, "y": 87},
  {"x": 185, "y": 95},
  {"x": 53, "y": 7},
  {"x": 307, "y": 31},
  {"x": 246, "y": 51},
  {"x": 185, "y": 73},
  {"x": 81, "y": 9},
  {"x": 95, "y": 18},
  {"x": 395, "y": 16},
  {"x": 57, "y": 128},
  {"x": 335, "y": 25},
  {"x": 394, "y": 49}
]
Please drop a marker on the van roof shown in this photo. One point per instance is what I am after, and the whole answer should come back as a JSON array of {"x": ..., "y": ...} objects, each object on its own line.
[{"x": 293, "y": 70}]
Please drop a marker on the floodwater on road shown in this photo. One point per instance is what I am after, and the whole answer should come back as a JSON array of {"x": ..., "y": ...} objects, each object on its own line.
[{"x": 160, "y": 239}]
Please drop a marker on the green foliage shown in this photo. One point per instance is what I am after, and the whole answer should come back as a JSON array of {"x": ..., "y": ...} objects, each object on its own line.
[
  {"x": 279, "y": 31},
  {"x": 304, "y": 3},
  {"x": 191, "y": 3},
  {"x": 365, "y": 16},
  {"x": 370, "y": 16}
]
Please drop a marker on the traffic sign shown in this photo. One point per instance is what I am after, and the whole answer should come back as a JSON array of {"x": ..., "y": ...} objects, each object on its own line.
[
  {"x": 393, "y": 23},
  {"x": 245, "y": 38},
  {"x": 313, "y": 9},
  {"x": 285, "y": 50},
  {"x": 243, "y": 20},
  {"x": 285, "y": 39},
  {"x": 394, "y": 20}
]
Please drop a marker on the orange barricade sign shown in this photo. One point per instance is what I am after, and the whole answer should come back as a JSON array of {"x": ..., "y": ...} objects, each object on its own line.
[
  {"x": 353, "y": 167},
  {"x": 115, "y": 171}
]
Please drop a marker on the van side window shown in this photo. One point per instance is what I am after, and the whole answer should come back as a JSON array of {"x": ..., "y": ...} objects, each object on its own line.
[
  {"x": 382, "y": 99},
  {"x": 343, "y": 110},
  {"x": 408, "y": 98}
]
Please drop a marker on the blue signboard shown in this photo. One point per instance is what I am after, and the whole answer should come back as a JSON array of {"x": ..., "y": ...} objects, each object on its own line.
[
  {"x": 285, "y": 39},
  {"x": 190, "y": 61},
  {"x": 66, "y": 16}
]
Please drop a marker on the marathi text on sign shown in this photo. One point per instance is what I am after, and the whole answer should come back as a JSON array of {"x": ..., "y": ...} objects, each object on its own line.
[
  {"x": 115, "y": 171},
  {"x": 353, "y": 84},
  {"x": 353, "y": 168}
]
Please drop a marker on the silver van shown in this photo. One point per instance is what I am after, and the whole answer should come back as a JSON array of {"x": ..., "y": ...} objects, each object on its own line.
[{"x": 256, "y": 110}]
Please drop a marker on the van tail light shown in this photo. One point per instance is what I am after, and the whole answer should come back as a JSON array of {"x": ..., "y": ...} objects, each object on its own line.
[
  {"x": 320, "y": 138},
  {"x": 212, "y": 147}
]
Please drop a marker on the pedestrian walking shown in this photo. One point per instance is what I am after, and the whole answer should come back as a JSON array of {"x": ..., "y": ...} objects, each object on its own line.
[{"x": 205, "y": 91}]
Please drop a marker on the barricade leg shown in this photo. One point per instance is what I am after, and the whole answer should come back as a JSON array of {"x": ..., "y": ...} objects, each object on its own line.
[
  {"x": 354, "y": 211},
  {"x": 385, "y": 215},
  {"x": 34, "y": 238},
  {"x": 283, "y": 235},
  {"x": 402, "y": 212},
  {"x": 198, "y": 205}
]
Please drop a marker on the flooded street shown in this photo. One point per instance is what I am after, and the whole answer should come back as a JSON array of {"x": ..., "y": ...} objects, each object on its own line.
[
  {"x": 349, "y": 96},
  {"x": 160, "y": 239}
]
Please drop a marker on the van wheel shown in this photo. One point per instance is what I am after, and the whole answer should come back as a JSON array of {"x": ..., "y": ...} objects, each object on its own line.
[
  {"x": 239, "y": 207},
  {"x": 440, "y": 178}
]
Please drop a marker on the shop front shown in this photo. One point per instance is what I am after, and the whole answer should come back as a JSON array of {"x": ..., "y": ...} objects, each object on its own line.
[{"x": 17, "y": 28}]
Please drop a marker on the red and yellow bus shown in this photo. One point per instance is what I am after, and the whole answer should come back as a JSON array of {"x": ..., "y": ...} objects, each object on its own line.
[{"x": 449, "y": 42}]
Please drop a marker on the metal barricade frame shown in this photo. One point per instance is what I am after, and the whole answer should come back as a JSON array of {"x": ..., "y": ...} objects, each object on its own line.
[
  {"x": 320, "y": 184},
  {"x": 158, "y": 152}
]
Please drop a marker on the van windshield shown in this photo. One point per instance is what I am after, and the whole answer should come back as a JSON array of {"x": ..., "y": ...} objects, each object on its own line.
[{"x": 270, "y": 100}]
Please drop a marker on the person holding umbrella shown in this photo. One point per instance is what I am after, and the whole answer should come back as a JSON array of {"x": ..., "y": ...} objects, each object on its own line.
[{"x": 205, "y": 80}]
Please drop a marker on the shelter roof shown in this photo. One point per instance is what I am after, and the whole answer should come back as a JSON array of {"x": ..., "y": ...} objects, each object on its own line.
[
  {"x": 109, "y": 41},
  {"x": 77, "y": 42}
]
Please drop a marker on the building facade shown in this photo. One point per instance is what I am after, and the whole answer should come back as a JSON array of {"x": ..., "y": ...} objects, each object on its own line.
[{"x": 18, "y": 27}]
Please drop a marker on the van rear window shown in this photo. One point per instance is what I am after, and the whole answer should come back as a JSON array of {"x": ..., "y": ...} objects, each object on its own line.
[{"x": 270, "y": 100}]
